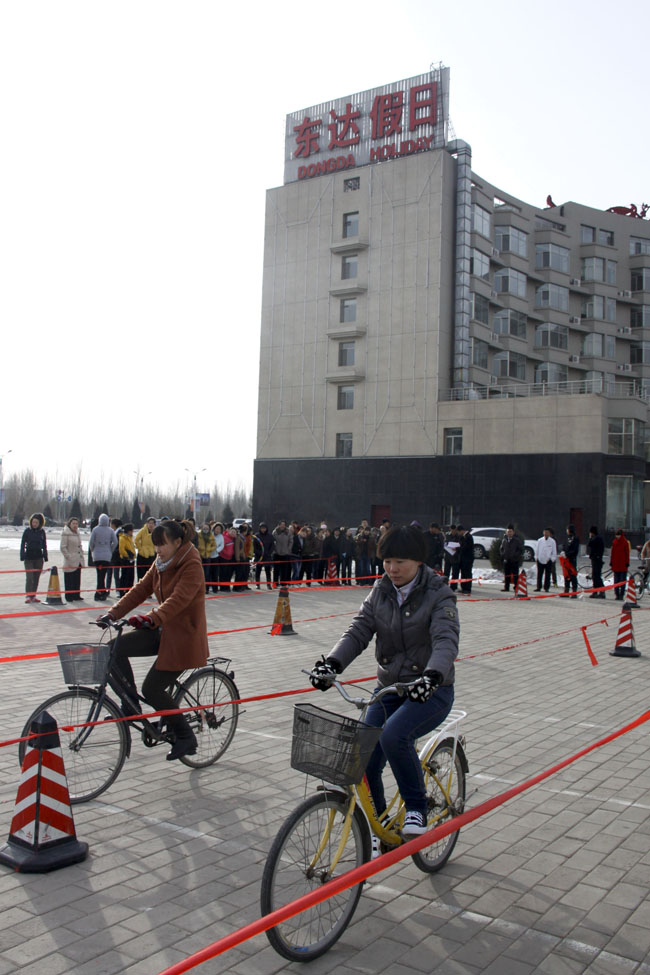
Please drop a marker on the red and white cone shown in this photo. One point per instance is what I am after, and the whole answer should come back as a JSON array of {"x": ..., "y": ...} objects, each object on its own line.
[
  {"x": 522, "y": 586},
  {"x": 630, "y": 595},
  {"x": 625, "y": 645},
  {"x": 42, "y": 835},
  {"x": 332, "y": 579}
]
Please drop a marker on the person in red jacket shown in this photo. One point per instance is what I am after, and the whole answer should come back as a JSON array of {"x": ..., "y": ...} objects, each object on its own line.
[{"x": 619, "y": 560}]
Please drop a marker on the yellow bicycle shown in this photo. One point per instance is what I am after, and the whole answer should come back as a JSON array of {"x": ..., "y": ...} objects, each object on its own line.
[{"x": 337, "y": 829}]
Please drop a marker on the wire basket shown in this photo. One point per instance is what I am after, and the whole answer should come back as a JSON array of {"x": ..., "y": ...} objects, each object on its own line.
[
  {"x": 331, "y": 746},
  {"x": 84, "y": 663}
]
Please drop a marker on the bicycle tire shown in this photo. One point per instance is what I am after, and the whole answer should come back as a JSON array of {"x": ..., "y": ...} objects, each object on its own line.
[
  {"x": 214, "y": 727},
  {"x": 437, "y": 768},
  {"x": 289, "y": 874},
  {"x": 639, "y": 584},
  {"x": 92, "y": 767},
  {"x": 584, "y": 576}
]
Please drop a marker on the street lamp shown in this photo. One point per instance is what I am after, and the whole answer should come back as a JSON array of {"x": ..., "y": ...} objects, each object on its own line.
[
  {"x": 139, "y": 479},
  {"x": 2, "y": 480},
  {"x": 195, "y": 504}
]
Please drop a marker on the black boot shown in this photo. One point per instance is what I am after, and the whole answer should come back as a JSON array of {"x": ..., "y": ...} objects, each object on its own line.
[{"x": 185, "y": 744}]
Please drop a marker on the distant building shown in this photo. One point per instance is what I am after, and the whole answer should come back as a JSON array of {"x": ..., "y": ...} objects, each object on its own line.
[{"x": 434, "y": 348}]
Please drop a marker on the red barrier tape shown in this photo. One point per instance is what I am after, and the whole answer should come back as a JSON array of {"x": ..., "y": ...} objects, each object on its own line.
[{"x": 353, "y": 877}]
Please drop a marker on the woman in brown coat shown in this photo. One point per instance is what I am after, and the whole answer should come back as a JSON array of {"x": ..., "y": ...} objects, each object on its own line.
[{"x": 175, "y": 631}]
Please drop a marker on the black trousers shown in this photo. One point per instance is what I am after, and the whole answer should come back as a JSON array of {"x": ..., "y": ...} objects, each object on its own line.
[
  {"x": 597, "y": 574},
  {"x": 544, "y": 575},
  {"x": 156, "y": 685},
  {"x": 510, "y": 574},
  {"x": 72, "y": 584},
  {"x": 143, "y": 564}
]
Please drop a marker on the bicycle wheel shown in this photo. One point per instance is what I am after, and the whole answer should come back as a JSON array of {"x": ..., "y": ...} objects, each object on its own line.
[
  {"x": 444, "y": 778},
  {"x": 93, "y": 757},
  {"x": 639, "y": 583},
  {"x": 295, "y": 867},
  {"x": 585, "y": 578},
  {"x": 214, "y": 727}
]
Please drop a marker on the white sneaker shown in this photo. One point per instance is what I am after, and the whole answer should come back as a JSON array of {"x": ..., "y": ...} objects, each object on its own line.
[
  {"x": 414, "y": 823},
  {"x": 376, "y": 846}
]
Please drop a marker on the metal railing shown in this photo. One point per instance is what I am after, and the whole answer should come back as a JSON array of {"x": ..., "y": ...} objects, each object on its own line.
[{"x": 623, "y": 390}]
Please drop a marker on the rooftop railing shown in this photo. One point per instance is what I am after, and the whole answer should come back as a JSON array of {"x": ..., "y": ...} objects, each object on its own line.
[{"x": 623, "y": 390}]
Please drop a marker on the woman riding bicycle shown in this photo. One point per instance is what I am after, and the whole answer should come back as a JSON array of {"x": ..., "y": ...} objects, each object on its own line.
[
  {"x": 175, "y": 631},
  {"x": 412, "y": 612}
]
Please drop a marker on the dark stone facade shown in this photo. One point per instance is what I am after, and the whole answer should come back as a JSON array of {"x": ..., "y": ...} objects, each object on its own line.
[{"x": 532, "y": 490}]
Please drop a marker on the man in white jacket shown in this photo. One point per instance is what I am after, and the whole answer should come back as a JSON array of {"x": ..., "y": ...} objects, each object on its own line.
[{"x": 546, "y": 556}]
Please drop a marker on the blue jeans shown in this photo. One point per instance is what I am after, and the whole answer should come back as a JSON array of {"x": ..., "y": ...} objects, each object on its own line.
[{"x": 404, "y": 722}]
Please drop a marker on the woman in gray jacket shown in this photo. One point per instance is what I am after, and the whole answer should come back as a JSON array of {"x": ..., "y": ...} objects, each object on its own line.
[
  {"x": 102, "y": 544},
  {"x": 412, "y": 612}
]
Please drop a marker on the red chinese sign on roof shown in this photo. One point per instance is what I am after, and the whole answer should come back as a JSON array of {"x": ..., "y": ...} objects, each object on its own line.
[{"x": 382, "y": 123}]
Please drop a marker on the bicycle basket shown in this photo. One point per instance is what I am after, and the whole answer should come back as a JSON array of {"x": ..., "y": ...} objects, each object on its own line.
[
  {"x": 84, "y": 663},
  {"x": 331, "y": 746}
]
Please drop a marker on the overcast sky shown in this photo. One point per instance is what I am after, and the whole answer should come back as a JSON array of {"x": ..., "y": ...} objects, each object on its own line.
[{"x": 138, "y": 139}]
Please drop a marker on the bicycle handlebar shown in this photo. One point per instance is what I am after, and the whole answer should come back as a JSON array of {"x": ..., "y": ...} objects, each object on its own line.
[{"x": 362, "y": 702}]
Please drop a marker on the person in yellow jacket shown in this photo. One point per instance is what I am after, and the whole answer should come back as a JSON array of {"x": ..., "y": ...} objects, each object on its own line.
[
  {"x": 145, "y": 547},
  {"x": 127, "y": 559},
  {"x": 207, "y": 546}
]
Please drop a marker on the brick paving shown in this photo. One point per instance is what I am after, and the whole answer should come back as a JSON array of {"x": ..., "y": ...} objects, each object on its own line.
[{"x": 555, "y": 881}]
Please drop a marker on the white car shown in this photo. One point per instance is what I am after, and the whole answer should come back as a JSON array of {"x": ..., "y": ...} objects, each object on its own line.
[{"x": 483, "y": 538}]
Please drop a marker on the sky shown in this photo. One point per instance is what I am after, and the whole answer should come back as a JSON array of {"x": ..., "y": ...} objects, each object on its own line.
[{"x": 138, "y": 140}]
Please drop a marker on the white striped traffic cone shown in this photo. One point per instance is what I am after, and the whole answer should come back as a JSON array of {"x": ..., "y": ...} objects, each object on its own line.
[
  {"x": 522, "y": 585},
  {"x": 630, "y": 595},
  {"x": 625, "y": 645},
  {"x": 42, "y": 835}
]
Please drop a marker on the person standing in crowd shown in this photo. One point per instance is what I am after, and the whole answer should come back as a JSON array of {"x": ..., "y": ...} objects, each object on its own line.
[
  {"x": 571, "y": 551},
  {"x": 596, "y": 552},
  {"x": 113, "y": 571},
  {"x": 217, "y": 531},
  {"x": 103, "y": 543},
  {"x": 33, "y": 553},
  {"x": 310, "y": 548},
  {"x": 364, "y": 553},
  {"x": 227, "y": 561},
  {"x": 435, "y": 543},
  {"x": 127, "y": 558},
  {"x": 329, "y": 556},
  {"x": 466, "y": 559},
  {"x": 347, "y": 555},
  {"x": 546, "y": 556},
  {"x": 282, "y": 568},
  {"x": 207, "y": 547},
  {"x": 244, "y": 551},
  {"x": 73, "y": 560},
  {"x": 264, "y": 554},
  {"x": 145, "y": 548},
  {"x": 512, "y": 553},
  {"x": 297, "y": 540},
  {"x": 450, "y": 549},
  {"x": 619, "y": 559},
  {"x": 335, "y": 546}
]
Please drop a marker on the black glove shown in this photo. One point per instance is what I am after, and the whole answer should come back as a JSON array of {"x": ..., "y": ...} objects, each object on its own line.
[
  {"x": 323, "y": 673},
  {"x": 424, "y": 687},
  {"x": 104, "y": 621},
  {"x": 140, "y": 622}
]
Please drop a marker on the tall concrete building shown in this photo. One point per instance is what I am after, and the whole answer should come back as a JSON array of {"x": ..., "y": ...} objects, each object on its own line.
[{"x": 433, "y": 347}]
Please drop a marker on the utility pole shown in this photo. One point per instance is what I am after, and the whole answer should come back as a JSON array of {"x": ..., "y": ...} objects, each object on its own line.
[{"x": 195, "y": 502}]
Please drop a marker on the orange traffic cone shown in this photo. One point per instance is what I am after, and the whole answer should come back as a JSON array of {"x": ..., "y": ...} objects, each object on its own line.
[
  {"x": 54, "y": 590},
  {"x": 282, "y": 621},
  {"x": 42, "y": 835},
  {"x": 625, "y": 645},
  {"x": 332, "y": 579},
  {"x": 630, "y": 595},
  {"x": 522, "y": 585}
]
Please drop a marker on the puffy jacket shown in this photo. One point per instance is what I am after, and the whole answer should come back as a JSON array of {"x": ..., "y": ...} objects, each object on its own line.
[
  {"x": 511, "y": 549},
  {"x": 620, "y": 555},
  {"x": 33, "y": 544},
  {"x": 207, "y": 544},
  {"x": 282, "y": 541},
  {"x": 103, "y": 540},
  {"x": 126, "y": 548},
  {"x": 144, "y": 543},
  {"x": 71, "y": 549},
  {"x": 421, "y": 634}
]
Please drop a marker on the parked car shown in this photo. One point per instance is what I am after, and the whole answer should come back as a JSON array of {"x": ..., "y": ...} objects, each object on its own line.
[
  {"x": 483, "y": 538},
  {"x": 238, "y": 522}
]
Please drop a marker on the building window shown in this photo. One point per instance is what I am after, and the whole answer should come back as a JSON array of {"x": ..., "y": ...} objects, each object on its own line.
[
  {"x": 595, "y": 381},
  {"x": 549, "y": 336},
  {"x": 551, "y": 372},
  {"x": 610, "y": 309},
  {"x": 348, "y": 311},
  {"x": 640, "y": 316},
  {"x": 453, "y": 440},
  {"x": 507, "y": 281},
  {"x": 481, "y": 309},
  {"x": 343, "y": 444},
  {"x": 639, "y": 245},
  {"x": 592, "y": 307},
  {"x": 345, "y": 397},
  {"x": 351, "y": 224},
  {"x": 640, "y": 280},
  {"x": 481, "y": 220},
  {"x": 510, "y": 239},
  {"x": 351, "y": 184},
  {"x": 592, "y": 345},
  {"x": 509, "y": 364},
  {"x": 640, "y": 353},
  {"x": 553, "y": 256},
  {"x": 479, "y": 353},
  {"x": 606, "y": 237},
  {"x": 587, "y": 234},
  {"x": 598, "y": 269},
  {"x": 479, "y": 264},
  {"x": 624, "y": 506},
  {"x": 552, "y": 296},
  {"x": 510, "y": 322},
  {"x": 346, "y": 353},
  {"x": 349, "y": 266},
  {"x": 625, "y": 436}
]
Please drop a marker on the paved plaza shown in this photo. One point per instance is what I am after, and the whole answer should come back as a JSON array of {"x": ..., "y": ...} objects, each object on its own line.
[{"x": 555, "y": 881}]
